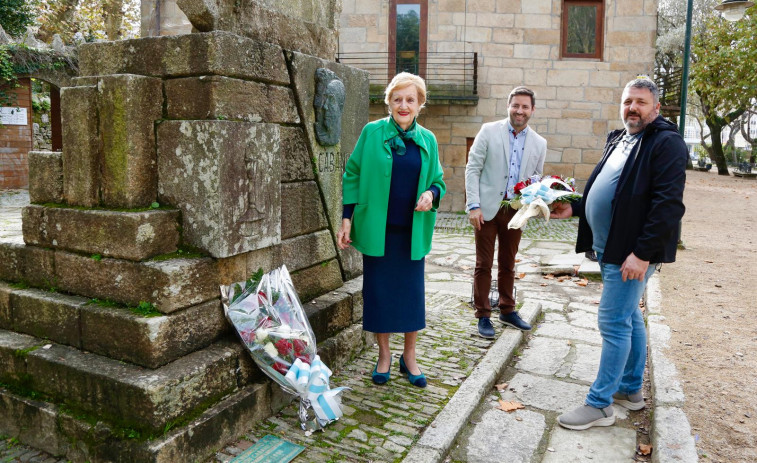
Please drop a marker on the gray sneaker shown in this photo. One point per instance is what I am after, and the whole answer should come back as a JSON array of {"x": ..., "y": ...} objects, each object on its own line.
[
  {"x": 633, "y": 401},
  {"x": 584, "y": 417}
]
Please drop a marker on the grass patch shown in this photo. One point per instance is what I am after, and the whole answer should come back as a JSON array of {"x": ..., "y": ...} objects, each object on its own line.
[
  {"x": 146, "y": 309},
  {"x": 23, "y": 353},
  {"x": 19, "y": 285},
  {"x": 183, "y": 252}
]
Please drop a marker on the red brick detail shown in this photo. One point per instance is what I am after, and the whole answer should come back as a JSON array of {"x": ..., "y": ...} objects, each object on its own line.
[{"x": 16, "y": 142}]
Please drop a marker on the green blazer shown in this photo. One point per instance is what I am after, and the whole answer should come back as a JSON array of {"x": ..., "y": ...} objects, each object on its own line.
[{"x": 366, "y": 182}]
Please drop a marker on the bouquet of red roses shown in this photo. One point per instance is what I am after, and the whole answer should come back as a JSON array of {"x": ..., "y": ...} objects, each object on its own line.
[
  {"x": 534, "y": 195},
  {"x": 269, "y": 319}
]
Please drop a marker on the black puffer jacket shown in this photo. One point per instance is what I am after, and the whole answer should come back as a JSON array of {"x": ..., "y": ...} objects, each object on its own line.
[{"x": 648, "y": 203}]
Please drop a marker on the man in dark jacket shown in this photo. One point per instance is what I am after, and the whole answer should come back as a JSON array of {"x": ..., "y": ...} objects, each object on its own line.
[{"x": 629, "y": 215}]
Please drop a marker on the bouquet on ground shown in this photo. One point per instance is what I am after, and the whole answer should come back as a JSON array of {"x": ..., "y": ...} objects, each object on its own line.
[
  {"x": 269, "y": 319},
  {"x": 534, "y": 195}
]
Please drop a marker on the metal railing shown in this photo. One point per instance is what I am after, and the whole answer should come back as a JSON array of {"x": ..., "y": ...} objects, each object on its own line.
[{"x": 448, "y": 76}]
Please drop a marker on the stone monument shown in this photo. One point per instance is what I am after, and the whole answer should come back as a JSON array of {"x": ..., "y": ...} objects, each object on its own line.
[{"x": 188, "y": 161}]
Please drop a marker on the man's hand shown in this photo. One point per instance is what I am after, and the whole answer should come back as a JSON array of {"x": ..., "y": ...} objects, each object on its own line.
[
  {"x": 634, "y": 268},
  {"x": 425, "y": 201},
  {"x": 476, "y": 218},
  {"x": 561, "y": 211},
  {"x": 343, "y": 235}
]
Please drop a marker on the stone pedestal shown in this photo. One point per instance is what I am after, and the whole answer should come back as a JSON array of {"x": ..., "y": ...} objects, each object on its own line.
[{"x": 188, "y": 162}]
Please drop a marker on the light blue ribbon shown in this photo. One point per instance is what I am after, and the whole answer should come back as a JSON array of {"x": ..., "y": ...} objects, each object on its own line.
[{"x": 312, "y": 384}]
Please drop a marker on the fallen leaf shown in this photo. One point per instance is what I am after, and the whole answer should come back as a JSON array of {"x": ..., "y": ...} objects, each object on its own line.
[
  {"x": 517, "y": 260},
  {"x": 583, "y": 282},
  {"x": 549, "y": 276},
  {"x": 509, "y": 405},
  {"x": 645, "y": 449},
  {"x": 543, "y": 284},
  {"x": 520, "y": 275},
  {"x": 563, "y": 278},
  {"x": 465, "y": 267},
  {"x": 501, "y": 386},
  {"x": 595, "y": 302}
]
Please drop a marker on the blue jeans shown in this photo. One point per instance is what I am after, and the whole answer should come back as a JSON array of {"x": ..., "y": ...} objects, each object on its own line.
[{"x": 624, "y": 337}]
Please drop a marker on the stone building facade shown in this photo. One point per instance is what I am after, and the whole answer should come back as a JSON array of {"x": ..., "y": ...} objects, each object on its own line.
[{"x": 517, "y": 42}]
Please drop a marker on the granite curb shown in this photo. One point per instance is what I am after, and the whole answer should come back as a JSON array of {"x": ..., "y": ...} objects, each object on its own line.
[
  {"x": 440, "y": 435},
  {"x": 671, "y": 432}
]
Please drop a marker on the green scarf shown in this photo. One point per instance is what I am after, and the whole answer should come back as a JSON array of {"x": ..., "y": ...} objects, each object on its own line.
[{"x": 397, "y": 143}]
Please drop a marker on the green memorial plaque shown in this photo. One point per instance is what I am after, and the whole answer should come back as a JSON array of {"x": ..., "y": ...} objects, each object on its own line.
[{"x": 269, "y": 449}]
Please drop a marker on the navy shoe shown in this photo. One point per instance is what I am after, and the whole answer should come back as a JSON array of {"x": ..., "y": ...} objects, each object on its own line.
[
  {"x": 380, "y": 378},
  {"x": 514, "y": 320},
  {"x": 415, "y": 380},
  {"x": 485, "y": 328}
]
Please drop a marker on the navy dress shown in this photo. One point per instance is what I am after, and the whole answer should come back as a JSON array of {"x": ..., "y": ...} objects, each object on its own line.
[{"x": 393, "y": 285}]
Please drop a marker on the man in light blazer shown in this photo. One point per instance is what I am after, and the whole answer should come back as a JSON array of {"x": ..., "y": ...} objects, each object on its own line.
[{"x": 504, "y": 153}]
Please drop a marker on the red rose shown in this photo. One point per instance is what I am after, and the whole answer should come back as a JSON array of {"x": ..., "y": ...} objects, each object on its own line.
[
  {"x": 283, "y": 346},
  {"x": 519, "y": 186},
  {"x": 248, "y": 336},
  {"x": 299, "y": 346},
  {"x": 281, "y": 368}
]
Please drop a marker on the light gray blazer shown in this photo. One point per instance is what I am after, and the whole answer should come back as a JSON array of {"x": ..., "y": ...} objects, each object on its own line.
[{"x": 488, "y": 165}]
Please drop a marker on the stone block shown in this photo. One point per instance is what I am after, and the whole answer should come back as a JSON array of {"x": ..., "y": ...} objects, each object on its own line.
[
  {"x": 354, "y": 288},
  {"x": 45, "y": 177},
  {"x": 27, "y": 264},
  {"x": 225, "y": 177},
  {"x": 302, "y": 209},
  {"x": 217, "y": 97},
  {"x": 213, "y": 53},
  {"x": 150, "y": 341},
  {"x": 258, "y": 20},
  {"x": 5, "y": 305},
  {"x": 32, "y": 422},
  {"x": 14, "y": 349},
  {"x": 330, "y": 160},
  {"x": 168, "y": 284},
  {"x": 126, "y": 394},
  {"x": 47, "y": 315},
  {"x": 329, "y": 314},
  {"x": 295, "y": 158},
  {"x": 128, "y": 107},
  {"x": 126, "y": 235},
  {"x": 338, "y": 350},
  {"x": 307, "y": 250},
  {"x": 316, "y": 280},
  {"x": 81, "y": 146},
  {"x": 46, "y": 427}
]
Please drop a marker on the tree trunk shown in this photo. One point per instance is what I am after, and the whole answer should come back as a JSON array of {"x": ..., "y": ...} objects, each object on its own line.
[
  {"x": 716, "y": 153},
  {"x": 113, "y": 13}
]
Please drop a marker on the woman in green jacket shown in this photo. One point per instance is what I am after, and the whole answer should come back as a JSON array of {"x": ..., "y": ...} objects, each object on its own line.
[{"x": 391, "y": 189}]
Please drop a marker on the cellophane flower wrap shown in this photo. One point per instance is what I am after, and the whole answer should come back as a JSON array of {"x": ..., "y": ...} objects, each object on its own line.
[
  {"x": 533, "y": 196},
  {"x": 271, "y": 322}
]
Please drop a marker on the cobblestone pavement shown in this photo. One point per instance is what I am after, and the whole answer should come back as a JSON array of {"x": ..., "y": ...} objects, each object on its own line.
[{"x": 455, "y": 418}]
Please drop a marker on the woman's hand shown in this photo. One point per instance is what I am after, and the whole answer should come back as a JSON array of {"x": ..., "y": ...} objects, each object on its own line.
[
  {"x": 343, "y": 235},
  {"x": 425, "y": 201}
]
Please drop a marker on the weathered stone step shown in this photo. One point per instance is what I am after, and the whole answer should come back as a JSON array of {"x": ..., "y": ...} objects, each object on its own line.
[
  {"x": 55, "y": 430},
  {"x": 169, "y": 285},
  {"x": 125, "y": 235},
  {"x": 120, "y": 393},
  {"x": 115, "y": 332}
]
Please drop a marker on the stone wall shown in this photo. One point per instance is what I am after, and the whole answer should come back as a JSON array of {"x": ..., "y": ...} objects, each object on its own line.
[
  {"x": 518, "y": 43},
  {"x": 16, "y": 141}
]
